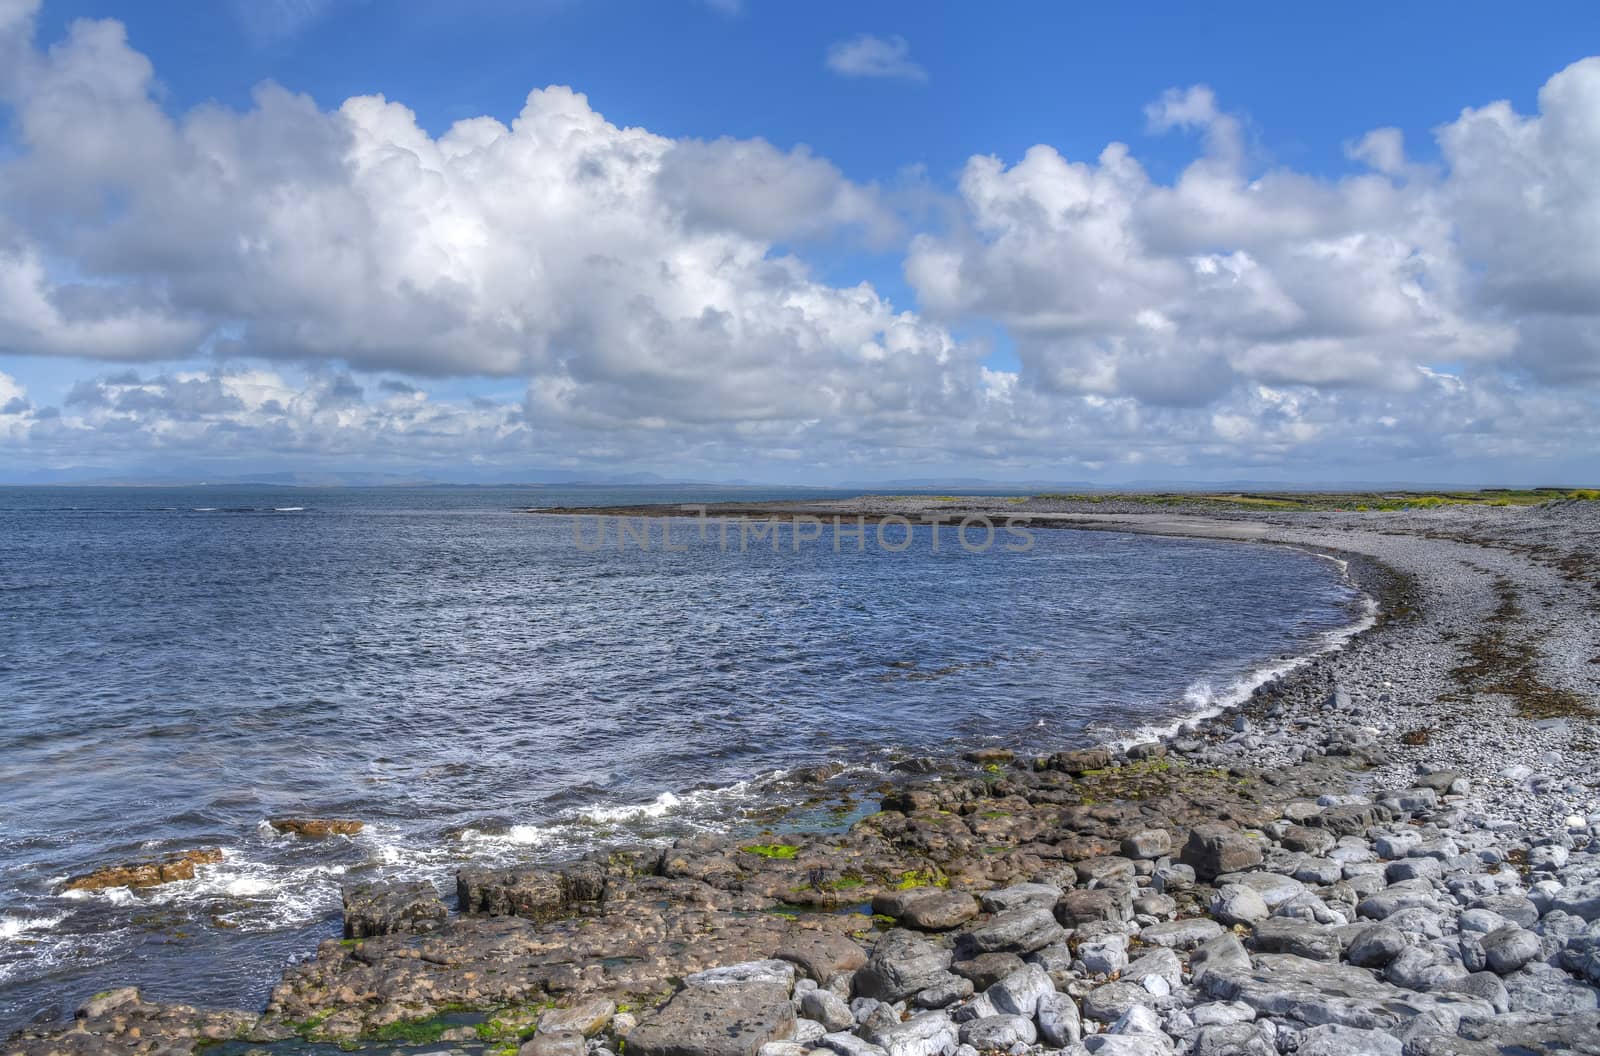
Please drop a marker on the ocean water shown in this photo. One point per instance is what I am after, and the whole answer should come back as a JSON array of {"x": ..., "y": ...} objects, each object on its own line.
[{"x": 178, "y": 665}]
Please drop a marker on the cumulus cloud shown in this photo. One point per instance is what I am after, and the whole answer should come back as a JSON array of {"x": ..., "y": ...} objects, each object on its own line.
[
  {"x": 866, "y": 55},
  {"x": 645, "y": 295}
]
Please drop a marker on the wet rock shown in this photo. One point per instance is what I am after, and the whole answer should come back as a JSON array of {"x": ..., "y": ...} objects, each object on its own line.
[
  {"x": 534, "y": 894},
  {"x": 733, "y": 1020},
  {"x": 316, "y": 828},
  {"x": 150, "y": 873},
  {"x": 104, "y": 1004},
  {"x": 901, "y": 964},
  {"x": 1081, "y": 761},
  {"x": 1213, "y": 850},
  {"x": 390, "y": 907}
]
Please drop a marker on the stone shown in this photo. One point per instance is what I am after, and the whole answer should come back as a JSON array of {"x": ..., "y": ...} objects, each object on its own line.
[
  {"x": 939, "y": 910},
  {"x": 316, "y": 828},
  {"x": 1157, "y": 964},
  {"x": 1081, "y": 761},
  {"x": 827, "y": 1008},
  {"x": 152, "y": 873},
  {"x": 1308, "y": 840},
  {"x": 1147, "y": 844},
  {"x": 928, "y": 1034},
  {"x": 1332, "y": 1039},
  {"x": 986, "y": 969},
  {"x": 1101, "y": 903},
  {"x": 1541, "y": 988},
  {"x": 1105, "y": 954},
  {"x": 1104, "y": 870},
  {"x": 1018, "y": 994},
  {"x": 1275, "y": 889},
  {"x": 1214, "y": 849},
  {"x": 1223, "y": 953},
  {"x": 1221, "y": 1013},
  {"x": 1375, "y": 946},
  {"x": 1280, "y": 935},
  {"x": 534, "y": 894},
  {"x": 847, "y": 1044},
  {"x": 1234, "y": 1039},
  {"x": 107, "y": 1002},
  {"x": 1060, "y": 1023},
  {"x": 1508, "y": 949},
  {"x": 587, "y": 1018},
  {"x": 391, "y": 907},
  {"x": 565, "y": 1043},
  {"x": 998, "y": 1032},
  {"x": 1238, "y": 904},
  {"x": 1181, "y": 934},
  {"x": 1020, "y": 896},
  {"x": 901, "y": 964},
  {"x": 1318, "y": 871},
  {"x": 1109, "y": 1002},
  {"x": 770, "y": 972},
  {"x": 821, "y": 954},
  {"x": 1315, "y": 992},
  {"x": 728, "y": 1020},
  {"x": 1407, "y": 894},
  {"x": 1172, "y": 876},
  {"x": 1016, "y": 930},
  {"x": 943, "y": 994},
  {"x": 1581, "y": 900},
  {"x": 1128, "y": 1045}
]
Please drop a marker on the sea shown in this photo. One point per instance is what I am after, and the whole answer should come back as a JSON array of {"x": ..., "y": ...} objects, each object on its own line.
[{"x": 479, "y": 684}]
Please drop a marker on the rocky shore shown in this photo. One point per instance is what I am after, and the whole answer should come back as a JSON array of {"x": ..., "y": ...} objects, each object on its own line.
[{"x": 1393, "y": 849}]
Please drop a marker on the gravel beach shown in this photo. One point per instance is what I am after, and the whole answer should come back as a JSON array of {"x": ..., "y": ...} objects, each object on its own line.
[{"x": 1393, "y": 848}]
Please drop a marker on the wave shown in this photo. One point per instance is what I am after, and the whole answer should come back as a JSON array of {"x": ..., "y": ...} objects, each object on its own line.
[
  {"x": 288, "y": 509},
  {"x": 14, "y": 927},
  {"x": 1203, "y": 701}
]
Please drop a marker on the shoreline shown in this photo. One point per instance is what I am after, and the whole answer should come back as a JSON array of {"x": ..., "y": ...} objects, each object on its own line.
[{"x": 1275, "y": 748}]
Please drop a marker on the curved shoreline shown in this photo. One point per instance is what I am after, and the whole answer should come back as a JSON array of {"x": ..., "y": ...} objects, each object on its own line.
[{"x": 1293, "y": 735}]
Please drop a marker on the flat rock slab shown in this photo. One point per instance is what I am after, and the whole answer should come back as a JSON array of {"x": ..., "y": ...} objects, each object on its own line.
[
  {"x": 1315, "y": 993},
  {"x": 394, "y": 907},
  {"x": 732, "y": 1020}
]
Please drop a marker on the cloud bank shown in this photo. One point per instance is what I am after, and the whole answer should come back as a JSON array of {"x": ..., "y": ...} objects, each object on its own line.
[{"x": 292, "y": 282}]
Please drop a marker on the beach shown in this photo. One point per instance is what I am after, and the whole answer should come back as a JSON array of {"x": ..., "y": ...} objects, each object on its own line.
[{"x": 1387, "y": 846}]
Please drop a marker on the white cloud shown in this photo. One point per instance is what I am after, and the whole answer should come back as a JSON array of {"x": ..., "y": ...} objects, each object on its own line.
[
  {"x": 629, "y": 287},
  {"x": 871, "y": 56}
]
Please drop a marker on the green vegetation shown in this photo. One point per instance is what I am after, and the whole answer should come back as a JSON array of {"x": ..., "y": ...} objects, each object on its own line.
[
  {"x": 1338, "y": 500},
  {"x": 912, "y": 878},
  {"x": 772, "y": 851}
]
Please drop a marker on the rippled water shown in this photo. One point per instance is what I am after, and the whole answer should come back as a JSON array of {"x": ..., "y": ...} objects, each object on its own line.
[{"x": 178, "y": 665}]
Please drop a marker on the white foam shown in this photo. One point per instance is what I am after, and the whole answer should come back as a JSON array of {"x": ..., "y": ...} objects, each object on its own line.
[
  {"x": 659, "y": 807},
  {"x": 288, "y": 509},
  {"x": 13, "y": 927}
]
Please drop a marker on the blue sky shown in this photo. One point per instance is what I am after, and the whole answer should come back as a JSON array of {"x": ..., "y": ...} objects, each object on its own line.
[{"x": 1290, "y": 87}]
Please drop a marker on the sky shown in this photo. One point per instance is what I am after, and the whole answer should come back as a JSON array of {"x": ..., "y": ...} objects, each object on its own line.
[{"x": 800, "y": 243}]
